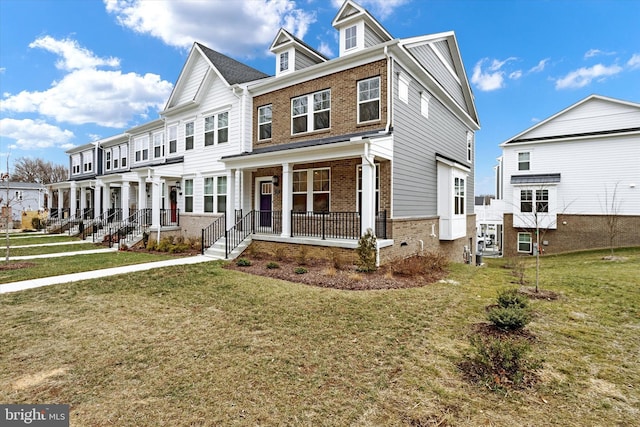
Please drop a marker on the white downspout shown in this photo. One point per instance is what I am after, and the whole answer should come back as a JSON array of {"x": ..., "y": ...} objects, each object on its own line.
[{"x": 389, "y": 87}]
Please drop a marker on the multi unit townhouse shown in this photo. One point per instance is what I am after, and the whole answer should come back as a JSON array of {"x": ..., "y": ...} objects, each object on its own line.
[
  {"x": 572, "y": 181},
  {"x": 379, "y": 139}
]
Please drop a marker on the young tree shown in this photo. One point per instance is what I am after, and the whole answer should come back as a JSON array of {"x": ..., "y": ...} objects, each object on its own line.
[{"x": 612, "y": 217}]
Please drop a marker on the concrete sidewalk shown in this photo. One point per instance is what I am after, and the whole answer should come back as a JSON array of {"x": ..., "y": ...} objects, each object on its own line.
[{"x": 94, "y": 274}]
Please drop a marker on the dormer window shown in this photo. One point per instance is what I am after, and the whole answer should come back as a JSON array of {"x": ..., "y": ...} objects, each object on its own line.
[
  {"x": 284, "y": 61},
  {"x": 351, "y": 37}
]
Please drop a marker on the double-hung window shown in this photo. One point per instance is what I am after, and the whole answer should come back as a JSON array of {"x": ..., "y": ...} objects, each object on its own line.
[
  {"x": 526, "y": 201},
  {"x": 215, "y": 190},
  {"x": 524, "y": 161},
  {"x": 188, "y": 195},
  {"x": 264, "y": 122},
  {"x": 158, "y": 145},
  {"x": 350, "y": 37},
  {"x": 284, "y": 61},
  {"x": 311, "y": 190},
  {"x": 216, "y": 129},
  {"x": 524, "y": 242},
  {"x": 116, "y": 157},
  {"x": 142, "y": 149},
  {"x": 458, "y": 196},
  {"x": 173, "y": 138},
  {"x": 123, "y": 157},
  {"x": 542, "y": 200},
  {"x": 107, "y": 158},
  {"x": 75, "y": 164},
  {"x": 188, "y": 135},
  {"x": 311, "y": 112},
  {"x": 369, "y": 100}
]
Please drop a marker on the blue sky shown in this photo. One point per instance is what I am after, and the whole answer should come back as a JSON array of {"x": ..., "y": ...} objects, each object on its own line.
[{"x": 72, "y": 71}]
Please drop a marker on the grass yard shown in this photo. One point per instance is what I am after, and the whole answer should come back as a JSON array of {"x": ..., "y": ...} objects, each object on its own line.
[
  {"x": 202, "y": 345},
  {"x": 22, "y": 239},
  {"x": 41, "y": 250},
  {"x": 45, "y": 267}
]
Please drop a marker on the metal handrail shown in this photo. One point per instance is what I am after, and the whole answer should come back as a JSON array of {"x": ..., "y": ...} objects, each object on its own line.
[{"x": 212, "y": 233}]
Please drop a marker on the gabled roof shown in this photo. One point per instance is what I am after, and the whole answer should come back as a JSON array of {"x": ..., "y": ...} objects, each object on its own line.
[
  {"x": 587, "y": 122},
  {"x": 285, "y": 38},
  {"x": 229, "y": 70},
  {"x": 352, "y": 11},
  {"x": 232, "y": 71}
]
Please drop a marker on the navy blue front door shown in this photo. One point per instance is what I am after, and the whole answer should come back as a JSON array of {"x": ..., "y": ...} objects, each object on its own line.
[{"x": 265, "y": 204}]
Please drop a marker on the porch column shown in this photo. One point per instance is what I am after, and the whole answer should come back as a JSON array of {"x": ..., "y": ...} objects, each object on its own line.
[
  {"x": 231, "y": 199},
  {"x": 287, "y": 198},
  {"x": 97, "y": 199},
  {"x": 73, "y": 199},
  {"x": 106, "y": 197},
  {"x": 367, "y": 213},
  {"x": 142, "y": 192},
  {"x": 83, "y": 200},
  {"x": 156, "y": 188},
  {"x": 125, "y": 199},
  {"x": 49, "y": 200},
  {"x": 60, "y": 201}
]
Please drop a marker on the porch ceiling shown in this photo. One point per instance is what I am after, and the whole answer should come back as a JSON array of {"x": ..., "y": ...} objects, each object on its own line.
[{"x": 335, "y": 148}]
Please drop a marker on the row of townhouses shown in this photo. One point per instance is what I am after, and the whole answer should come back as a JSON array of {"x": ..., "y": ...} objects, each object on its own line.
[{"x": 380, "y": 138}]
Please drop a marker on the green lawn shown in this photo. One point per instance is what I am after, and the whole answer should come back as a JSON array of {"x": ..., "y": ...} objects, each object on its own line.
[
  {"x": 23, "y": 239},
  {"x": 41, "y": 250},
  {"x": 200, "y": 345}
]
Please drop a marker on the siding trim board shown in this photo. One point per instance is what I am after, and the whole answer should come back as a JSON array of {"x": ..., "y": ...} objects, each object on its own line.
[{"x": 576, "y": 135}]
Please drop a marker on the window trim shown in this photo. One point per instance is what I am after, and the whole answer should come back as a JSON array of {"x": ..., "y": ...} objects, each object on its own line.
[
  {"x": 141, "y": 147},
  {"x": 520, "y": 162},
  {"x": 309, "y": 190},
  {"x": 188, "y": 194},
  {"x": 264, "y": 123},
  {"x": 172, "y": 130},
  {"x": 283, "y": 61},
  {"x": 378, "y": 99},
  {"x": 520, "y": 241},
  {"x": 351, "y": 38},
  {"x": 310, "y": 112},
  {"x": 470, "y": 141},
  {"x": 214, "y": 194},
  {"x": 403, "y": 88},
  {"x": 189, "y": 138},
  {"x": 159, "y": 145},
  {"x": 459, "y": 196}
]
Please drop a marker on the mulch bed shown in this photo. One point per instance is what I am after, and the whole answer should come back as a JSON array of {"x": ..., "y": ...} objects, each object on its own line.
[{"x": 323, "y": 274}]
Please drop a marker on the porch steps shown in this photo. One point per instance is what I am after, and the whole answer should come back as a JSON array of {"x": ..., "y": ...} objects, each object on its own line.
[{"x": 217, "y": 251}]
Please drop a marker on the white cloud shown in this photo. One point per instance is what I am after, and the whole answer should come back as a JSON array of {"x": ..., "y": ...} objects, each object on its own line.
[
  {"x": 515, "y": 75},
  {"x": 326, "y": 50},
  {"x": 213, "y": 22},
  {"x": 378, "y": 8},
  {"x": 90, "y": 95},
  {"x": 30, "y": 134},
  {"x": 634, "y": 62},
  {"x": 540, "y": 67},
  {"x": 73, "y": 56},
  {"x": 490, "y": 78},
  {"x": 585, "y": 75},
  {"x": 596, "y": 52}
]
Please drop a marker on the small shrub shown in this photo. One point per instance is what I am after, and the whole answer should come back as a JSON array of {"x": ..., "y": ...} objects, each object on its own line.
[
  {"x": 500, "y": 363},
  {"x": 512, "y": 298},
  {"x": 279, "y": 253},
  {"x": 243, "y": 262},
  {"x": 430, "y": 264},
  {"x": 303, "y": 256},
  {"x": 367, "y": 251},
  {"x": 517, "y": 265},
  {"x": 510, "y": 318},
  {"x": 272, "y": 265},
  {"x": 300, "y": 270},
  {"x": 338, "y": 259},
  {"x": 151, "y": 245}
]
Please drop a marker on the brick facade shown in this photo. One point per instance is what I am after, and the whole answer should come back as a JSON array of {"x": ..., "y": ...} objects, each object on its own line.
[
  {"x": 574, "y": 233},
  {"x": 344, "y": 105}
]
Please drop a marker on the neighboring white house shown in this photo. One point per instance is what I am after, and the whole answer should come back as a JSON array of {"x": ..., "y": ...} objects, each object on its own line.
[
  {"x": 569, "y": 173},
  {"x": 21, "y": 197}
]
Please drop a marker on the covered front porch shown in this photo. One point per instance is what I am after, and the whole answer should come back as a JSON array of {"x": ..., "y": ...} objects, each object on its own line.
[{"x": 313, "y": 192}]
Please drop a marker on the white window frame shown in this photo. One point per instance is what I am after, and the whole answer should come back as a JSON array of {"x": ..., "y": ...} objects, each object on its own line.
[
  {"x": 75, "y": 164},
  {"x": 469, "y": 147},
  {"x": 123, "y": 155},
  {"x": 115, "y": 157},
  {"x": 215, "y": 189},
  {"x": 522, "y": 241},
  {"x": 522, "y": 162},
  {"x": 265, "y": 119},
  {"x": 368, "y": 98},
  {"x": 310, "y": 191},
  {"x": 309, "y": 106},
  {"x": 214, "y": 128},
  {"x": 403, "y": 88},
  {"x": 351, "y": 37},
  {"x": 141, "y": 145},
  {"x": 158, "y": 145},
  {"x": 459, "y": 196},
  {"x": 172, "y": 136},
  {"x": 188, "y": 195},
  {"x": 87, "y": 162},
  {"x": 424, "y": 104},
  {"x": 284, "y": 61},
  {"x": 189, "y": 135}
]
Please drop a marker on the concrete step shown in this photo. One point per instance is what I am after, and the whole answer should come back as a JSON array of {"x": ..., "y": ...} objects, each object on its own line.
[{"x": 217, "y": 251}]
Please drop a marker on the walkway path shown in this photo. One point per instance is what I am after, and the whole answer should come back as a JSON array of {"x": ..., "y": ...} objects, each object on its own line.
[{"x": 75, "y": 277}]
